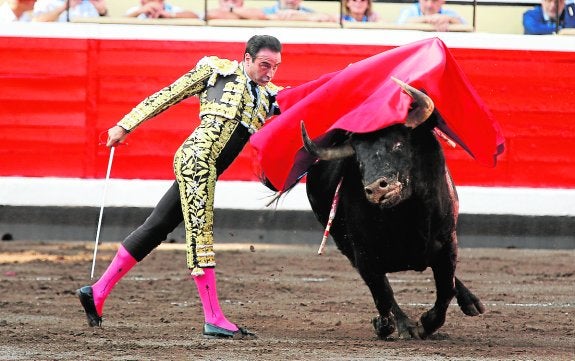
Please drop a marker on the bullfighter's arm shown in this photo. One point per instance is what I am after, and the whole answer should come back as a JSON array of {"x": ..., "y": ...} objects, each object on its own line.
[{"x": 191, "y": 83}]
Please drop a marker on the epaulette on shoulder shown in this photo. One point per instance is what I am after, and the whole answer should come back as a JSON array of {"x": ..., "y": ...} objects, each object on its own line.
[
  {"x": 221, "y": 66},
  {"x": 273, "y": 89}
]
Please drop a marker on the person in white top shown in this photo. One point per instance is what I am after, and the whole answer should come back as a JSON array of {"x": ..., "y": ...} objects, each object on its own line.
[
  {"x": 16, "y": 10},
  {"x": 235, "y": 10},
  {"x": 159, "y": 9},
  {"x": 430, "y": 12},
  {"x": 57, "y": 10}
]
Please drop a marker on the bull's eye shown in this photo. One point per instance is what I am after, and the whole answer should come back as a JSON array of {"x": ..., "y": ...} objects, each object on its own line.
[{"x": 396, "y": 147}]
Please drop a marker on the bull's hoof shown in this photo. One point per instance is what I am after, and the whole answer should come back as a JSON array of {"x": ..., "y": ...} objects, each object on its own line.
[
  {"x": 430, "y": 322},
  {"x": 408, "y": 329},
  {"x": 384, "y": 327},
  {"x": 470, "y": 304}
]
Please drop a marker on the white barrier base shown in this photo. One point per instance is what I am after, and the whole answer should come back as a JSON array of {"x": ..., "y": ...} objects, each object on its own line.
[{"x": 74, "y": 192}]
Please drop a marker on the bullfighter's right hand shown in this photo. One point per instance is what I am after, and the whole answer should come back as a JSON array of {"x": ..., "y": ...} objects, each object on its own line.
[{"x": 116, "y": 135}]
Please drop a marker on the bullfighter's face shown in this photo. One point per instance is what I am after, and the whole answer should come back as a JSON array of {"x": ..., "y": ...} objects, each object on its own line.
[{"x": 263, "y": 66}]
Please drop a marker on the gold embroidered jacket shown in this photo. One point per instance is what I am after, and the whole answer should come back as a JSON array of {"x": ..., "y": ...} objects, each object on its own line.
[{"x": 223, "y": 90}]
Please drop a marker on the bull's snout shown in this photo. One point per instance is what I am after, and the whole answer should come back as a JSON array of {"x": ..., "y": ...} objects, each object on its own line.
[
  {"x": 376, "y": 188},
  {"x": 383, "y": 191}
]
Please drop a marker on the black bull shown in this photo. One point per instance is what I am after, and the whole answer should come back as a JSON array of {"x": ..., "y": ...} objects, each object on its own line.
[{"x": 397, "y": 211}]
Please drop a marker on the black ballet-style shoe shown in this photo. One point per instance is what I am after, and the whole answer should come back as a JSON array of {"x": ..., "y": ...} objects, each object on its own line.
[
  {"x": 86, "y": 296},
  {"x": 213, "y": 331}
]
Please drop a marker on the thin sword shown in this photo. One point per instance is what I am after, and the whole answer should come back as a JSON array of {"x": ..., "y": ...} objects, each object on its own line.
[{"x": 102, "y": 209}]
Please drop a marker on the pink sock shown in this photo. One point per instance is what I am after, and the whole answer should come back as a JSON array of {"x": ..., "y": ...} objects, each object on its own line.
[
  {"x": 120, "y": 265},
  {"x": 209, "y": 296}
]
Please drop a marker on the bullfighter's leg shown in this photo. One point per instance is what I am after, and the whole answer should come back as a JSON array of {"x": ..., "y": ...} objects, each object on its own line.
[
  {"x": 197, "y": 169},
  {"x": 444, "y": 274},
  {"x": 165, "y": 217}
]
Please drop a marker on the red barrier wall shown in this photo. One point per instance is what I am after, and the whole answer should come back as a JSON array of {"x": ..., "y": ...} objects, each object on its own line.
[{"x": 59, "y": 95}]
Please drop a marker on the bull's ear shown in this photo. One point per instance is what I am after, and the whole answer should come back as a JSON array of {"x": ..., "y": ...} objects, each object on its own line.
[
  {"x": 423, "y": 105},
  {"x": 331, "y": 153}
]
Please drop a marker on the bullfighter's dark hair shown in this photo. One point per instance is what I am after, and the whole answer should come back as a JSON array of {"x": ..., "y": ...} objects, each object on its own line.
[{"x": 259, "y": 42}]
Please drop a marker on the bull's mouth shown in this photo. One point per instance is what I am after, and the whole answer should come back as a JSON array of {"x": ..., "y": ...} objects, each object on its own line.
[
  {"x": 387, "y": 196},
  {"x": 392, "y": 196}
]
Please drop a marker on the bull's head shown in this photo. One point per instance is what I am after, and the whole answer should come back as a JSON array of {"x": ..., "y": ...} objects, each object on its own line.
[{"x": 384, "y": 156}]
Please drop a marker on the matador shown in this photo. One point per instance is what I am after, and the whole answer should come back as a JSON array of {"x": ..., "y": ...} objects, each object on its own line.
[{"x": 236, "y": 98}]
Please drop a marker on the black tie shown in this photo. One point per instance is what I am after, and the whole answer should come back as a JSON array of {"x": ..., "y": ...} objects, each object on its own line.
[{"x": 254, "y": 89}]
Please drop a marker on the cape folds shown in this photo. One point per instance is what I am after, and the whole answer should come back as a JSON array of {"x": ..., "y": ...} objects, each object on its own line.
[{"x": 363, "y": 98}]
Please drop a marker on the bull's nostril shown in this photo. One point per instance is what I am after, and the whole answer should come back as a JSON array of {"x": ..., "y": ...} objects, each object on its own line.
[
  {"x": 383, "y": 184},
  {"x": 368, "y": 191}
]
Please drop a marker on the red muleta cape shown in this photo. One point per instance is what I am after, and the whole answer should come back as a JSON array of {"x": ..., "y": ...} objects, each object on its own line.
[{"x": 363, "y": 98}]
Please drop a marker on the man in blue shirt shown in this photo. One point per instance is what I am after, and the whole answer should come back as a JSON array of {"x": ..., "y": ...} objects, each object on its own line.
[
  {"x": 542, "y": 19},
  {"x": 430, "y": 12},
  {"x": 570, "y": 14}
]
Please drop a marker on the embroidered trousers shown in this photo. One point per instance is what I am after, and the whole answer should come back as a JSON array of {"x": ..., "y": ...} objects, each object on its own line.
[{"x": 199, "y": 161}]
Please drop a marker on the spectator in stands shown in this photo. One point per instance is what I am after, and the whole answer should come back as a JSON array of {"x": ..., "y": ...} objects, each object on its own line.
[
  {"x": 293, "y": 10},
  {"x": 158, "y": 9},
  {"x": 542, "y": 19},
  {"x": 57, "y": 10},
  {"x": 234, "y": 9},
  {"x": 570, "y": 14},
  {"x": 430, "y": 12},
  {"x": 16, "y": 10},
  {"x": 358, "y": 10}
]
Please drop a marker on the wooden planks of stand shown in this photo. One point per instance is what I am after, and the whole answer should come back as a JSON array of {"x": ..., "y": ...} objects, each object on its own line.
[
  {"x": 391, "y": 26},
  {"x": 273, "y": 23},
  {"x": 135, "y": 21},
  {"x": 568, "y": 31}
]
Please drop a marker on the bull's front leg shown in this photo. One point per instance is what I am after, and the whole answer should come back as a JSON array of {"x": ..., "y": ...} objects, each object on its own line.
[
  {"x": 444, "y": 274},
  {"x": 382, "y": 294},
  {"x": 406, "y": 327}
]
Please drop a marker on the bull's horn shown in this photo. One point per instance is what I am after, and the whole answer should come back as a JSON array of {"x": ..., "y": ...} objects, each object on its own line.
[
  {"x": 332, "y": 153},
  {"x": 424, "y": 107}
]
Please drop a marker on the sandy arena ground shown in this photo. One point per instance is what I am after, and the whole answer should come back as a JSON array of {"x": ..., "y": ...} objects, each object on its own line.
[{"x": 301, "y": 305}]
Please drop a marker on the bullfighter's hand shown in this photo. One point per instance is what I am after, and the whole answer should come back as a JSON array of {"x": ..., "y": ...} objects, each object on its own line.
[{"x": 116, "y": 135}]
